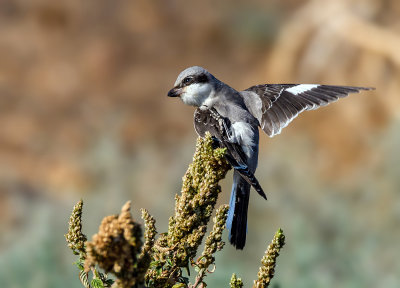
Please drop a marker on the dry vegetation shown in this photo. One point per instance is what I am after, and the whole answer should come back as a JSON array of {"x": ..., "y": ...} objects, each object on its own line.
[
  {"x": 83, "y": 112},
  {"x": 117, "y": 248}
]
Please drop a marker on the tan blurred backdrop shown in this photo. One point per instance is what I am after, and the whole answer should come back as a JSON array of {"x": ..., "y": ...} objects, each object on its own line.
[{"x": 84, "y": 113}]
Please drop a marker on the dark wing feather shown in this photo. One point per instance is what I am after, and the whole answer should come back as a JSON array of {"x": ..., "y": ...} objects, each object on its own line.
[
  {"x": 209, "y": 120},
  {"x": 281, "y": 103}
]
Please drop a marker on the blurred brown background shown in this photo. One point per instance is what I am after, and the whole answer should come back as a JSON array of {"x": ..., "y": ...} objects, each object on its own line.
[{"x": 84, "y": 113}]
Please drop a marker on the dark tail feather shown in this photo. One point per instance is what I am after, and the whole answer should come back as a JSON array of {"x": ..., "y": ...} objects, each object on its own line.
[
  {"x": 237, "y": 215},
  {"x": 251, "y": 179},
  {"x": 245, "y": 172}
]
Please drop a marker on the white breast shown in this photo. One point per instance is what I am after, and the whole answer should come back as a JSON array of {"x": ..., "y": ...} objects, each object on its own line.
[{"x": 196, "y": 94}]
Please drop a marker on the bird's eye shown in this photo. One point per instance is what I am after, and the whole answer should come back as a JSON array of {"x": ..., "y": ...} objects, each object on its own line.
[{"x": 187, "y": 80}]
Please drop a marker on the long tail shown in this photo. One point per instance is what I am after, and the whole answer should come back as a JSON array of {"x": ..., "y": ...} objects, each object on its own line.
[
  {"x": 237, "y": 215},
  {"x": 246, "y": 174}
]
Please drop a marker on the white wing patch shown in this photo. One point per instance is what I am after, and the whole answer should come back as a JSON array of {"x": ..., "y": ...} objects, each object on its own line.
[
  {"x": 301, "y": 88},
  {"x": 242, "y": 133}
]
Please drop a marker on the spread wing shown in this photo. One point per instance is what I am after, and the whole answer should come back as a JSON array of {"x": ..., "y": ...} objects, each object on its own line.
[
  {"x": 209, "y": 120},
  {"x": 276, "y": 105}
]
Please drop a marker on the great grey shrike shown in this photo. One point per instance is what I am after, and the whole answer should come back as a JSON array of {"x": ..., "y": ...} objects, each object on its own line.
[{"x": 233, "y": 117}]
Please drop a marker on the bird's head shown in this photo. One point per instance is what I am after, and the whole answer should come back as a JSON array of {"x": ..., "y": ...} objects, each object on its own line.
[{"x": 194, "y": 86}]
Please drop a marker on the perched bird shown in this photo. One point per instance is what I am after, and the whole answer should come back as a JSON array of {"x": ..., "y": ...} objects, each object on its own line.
[{"x": 233, "y": 118}]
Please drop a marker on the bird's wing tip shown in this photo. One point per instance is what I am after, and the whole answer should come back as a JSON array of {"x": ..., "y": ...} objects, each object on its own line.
[{"x": 366, "y": 88}]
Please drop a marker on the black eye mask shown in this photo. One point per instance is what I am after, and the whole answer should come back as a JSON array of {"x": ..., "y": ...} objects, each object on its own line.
[{"x": 201, "y": 78}]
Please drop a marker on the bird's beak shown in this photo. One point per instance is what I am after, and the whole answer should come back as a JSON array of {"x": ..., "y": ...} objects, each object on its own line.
[{"x": 175, "y": 92}]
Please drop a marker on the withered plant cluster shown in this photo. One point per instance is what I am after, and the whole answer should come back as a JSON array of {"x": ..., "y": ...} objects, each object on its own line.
[{"x": 118, "y": 248}]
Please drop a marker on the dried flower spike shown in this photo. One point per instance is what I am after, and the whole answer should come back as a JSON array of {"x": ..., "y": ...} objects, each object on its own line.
[
  {"x": 75, "y": 238},
  {"x": 116, "y": 246},
  {"x": 268, "y": 262},
  {"x": 213, "y": 244},
  {"x": 193, "y": 208},
  {"x": 214, "y": 241},
  {"x": 150, "y": 233},
  {"x": 236, "y": 282}
]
